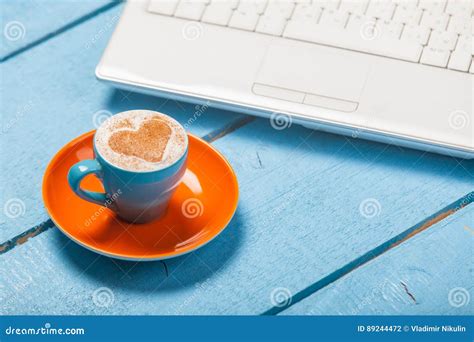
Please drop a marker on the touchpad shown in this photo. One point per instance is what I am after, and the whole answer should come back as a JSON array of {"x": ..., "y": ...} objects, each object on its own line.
[{"x": 321, "y": 76}]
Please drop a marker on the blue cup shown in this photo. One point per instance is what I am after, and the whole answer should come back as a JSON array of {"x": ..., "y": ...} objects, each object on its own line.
[{"x": 135, "y": 196}]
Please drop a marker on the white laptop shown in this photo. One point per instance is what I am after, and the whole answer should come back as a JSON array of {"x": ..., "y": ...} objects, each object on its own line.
[{"x": 399, "y": 71}]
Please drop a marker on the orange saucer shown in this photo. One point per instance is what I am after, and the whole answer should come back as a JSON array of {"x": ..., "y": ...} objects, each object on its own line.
[{"x": 199, "y": 210}]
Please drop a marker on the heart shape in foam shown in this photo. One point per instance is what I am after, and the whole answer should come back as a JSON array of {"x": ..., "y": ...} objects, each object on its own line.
[{"x": 148, "y": 142}]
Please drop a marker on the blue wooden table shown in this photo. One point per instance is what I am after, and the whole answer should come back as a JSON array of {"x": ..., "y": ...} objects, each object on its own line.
[{"x": 325, "y": 225}]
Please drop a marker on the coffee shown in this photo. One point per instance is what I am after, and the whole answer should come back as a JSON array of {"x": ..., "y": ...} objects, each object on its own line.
[{"x": 141, "y": 140}]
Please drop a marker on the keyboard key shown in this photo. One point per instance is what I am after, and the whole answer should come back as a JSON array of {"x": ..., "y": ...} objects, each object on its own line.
[
  {"x": 273, "y": 20},
  {"x": 437, "y": 21},
  {"x": 407, "y": 14},
  {"x": 271, "y": 25},
  {"x": 415, "y": 34},
  {"x": 357, "y": 21},
  {"x": 299, "y": 28},
  {"x": 459, "y": 7},
  {"x": 389, "y": 29},
  {"x": 218, "y": 12},
  {"x": 308, "y": 12},
  {"x": 436, "y": 57},
  {"x": 443, "y": 40},
  {"x": 460, "y": 24},
  {"x": 407, "y": 3},
  {"x": 460, "y": 60},
  {"x": 190, "y": 9},
  {"x": 279, "y": 9},
  {"x": 465, "y": 43},
  {"x": 383, "y": 46},
  {"x": 381, "y": 9},
  {"x": 246, "y": 16},
  {"x": 365, "y": 26},
  {"x": 433, "y": 6},
  {"x": 327, "y": 4},
  {"x": 259, "y": 5},
  {"x": 335, "y": 19},
  {"x": 354, "y": 6},
  {"x": 166, "y": 7}
]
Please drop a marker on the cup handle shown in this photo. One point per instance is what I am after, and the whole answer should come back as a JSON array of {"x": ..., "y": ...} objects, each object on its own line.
[{"x": 77, "y": 173}]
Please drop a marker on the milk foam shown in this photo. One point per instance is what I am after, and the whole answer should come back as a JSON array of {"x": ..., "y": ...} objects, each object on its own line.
[{"x": 131, "y": 121}]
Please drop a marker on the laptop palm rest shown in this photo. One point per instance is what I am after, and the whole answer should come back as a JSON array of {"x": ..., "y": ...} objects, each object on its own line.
[{"x": 312, "y": 75}]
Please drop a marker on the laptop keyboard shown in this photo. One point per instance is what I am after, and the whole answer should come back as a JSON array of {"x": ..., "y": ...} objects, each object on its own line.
[{"x": 432, "y": 32}]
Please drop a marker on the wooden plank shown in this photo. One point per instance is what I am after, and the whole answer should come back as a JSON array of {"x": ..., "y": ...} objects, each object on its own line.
[
  {"x": 430, "y": 274},
  {"x": 50, "y": 95},
  {"x": 302, "y": 214},
  {"x": 28, "y": 23}
]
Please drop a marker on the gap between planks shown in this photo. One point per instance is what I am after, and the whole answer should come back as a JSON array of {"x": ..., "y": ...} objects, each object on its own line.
[
  {"x": 374, "y": 253},
  {"x": 44, "y": 226},
  {"x": 60, "y": 30}
]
